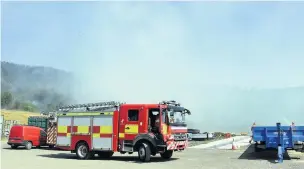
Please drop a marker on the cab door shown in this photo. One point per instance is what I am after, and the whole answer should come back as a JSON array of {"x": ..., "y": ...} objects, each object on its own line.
[
  {"x": 129, "y": 122},
  {"x": 130, "y": 125}
]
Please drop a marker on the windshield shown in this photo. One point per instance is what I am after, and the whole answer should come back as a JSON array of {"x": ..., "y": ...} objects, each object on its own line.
[{"x": 175, "y": 118}]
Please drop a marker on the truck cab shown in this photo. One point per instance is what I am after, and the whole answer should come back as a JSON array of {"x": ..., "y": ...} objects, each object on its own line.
[{"x": 152, "y": 128}]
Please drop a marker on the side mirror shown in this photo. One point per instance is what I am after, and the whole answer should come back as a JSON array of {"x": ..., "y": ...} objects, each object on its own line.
[{"x": 186, "y": 111}]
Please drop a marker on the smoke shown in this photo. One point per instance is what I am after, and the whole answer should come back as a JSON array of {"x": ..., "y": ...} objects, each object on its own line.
[
  {"x": 141, "y": 57},
  {"x": 144, "y": 57},
  {"x": 214, "y": 58}
]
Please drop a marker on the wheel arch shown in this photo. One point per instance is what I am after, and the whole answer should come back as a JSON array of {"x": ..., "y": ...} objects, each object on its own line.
[
  {"x": 83, "y": 156},
  {"x": 144, "y": 138}
]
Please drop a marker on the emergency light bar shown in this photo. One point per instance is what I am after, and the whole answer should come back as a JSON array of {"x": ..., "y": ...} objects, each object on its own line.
[
  {"x": 170, "y": 103},
  {"x": 89, "y": 106},
  {"x": 173, "y": 104}
]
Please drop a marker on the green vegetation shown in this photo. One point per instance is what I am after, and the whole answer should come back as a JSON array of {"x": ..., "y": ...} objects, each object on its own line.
[
  {"x": 6, "y": 99},
  {"x": 34, "y": 88},
  {"x": 8, "y": 102}
]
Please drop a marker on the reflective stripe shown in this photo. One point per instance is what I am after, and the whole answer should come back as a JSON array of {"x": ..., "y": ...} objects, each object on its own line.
[
  {"x": 174, "y": 145},
  {"x": 131, "y": 128},
  {"x": 86, "y": 114},
  {"x": 51, "y": 134},
  {"x": 82, "y": 129},
  {"x": 62, "y": 129},
  {"x": 106, "y": 130},
  {"x": 106, "y": 135},
  {"x": 96, "y": 135},
  {"x": 62, "y": 134},
  {"x": 121, "y": 135},
  {"x": 99, "y": 131}
]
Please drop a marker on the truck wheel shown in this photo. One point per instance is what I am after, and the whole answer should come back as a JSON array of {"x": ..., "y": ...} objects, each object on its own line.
[
  {"x": 14, "y": 146},
  {"x": 105, "y": 154},
  {"x": 51, "y": 146},
  {"x": 167, "y": 154},
  {"x": 28, "y": 145},
  {"x": 83, "y": 152},
  {"x": 144, "y": 152}
]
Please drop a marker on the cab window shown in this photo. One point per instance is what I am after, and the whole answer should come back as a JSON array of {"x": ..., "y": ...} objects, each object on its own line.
[{"x": 133, "y": 115}]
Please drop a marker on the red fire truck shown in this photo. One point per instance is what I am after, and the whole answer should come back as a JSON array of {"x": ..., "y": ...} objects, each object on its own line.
[{"x": 108, "y": 127}]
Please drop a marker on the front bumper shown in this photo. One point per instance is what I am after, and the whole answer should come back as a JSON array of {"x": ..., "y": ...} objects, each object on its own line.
[{"x": 177, "y": 145}]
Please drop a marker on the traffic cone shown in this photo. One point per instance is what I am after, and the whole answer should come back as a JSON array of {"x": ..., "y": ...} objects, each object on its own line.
[{"x": 233, "y": 145}]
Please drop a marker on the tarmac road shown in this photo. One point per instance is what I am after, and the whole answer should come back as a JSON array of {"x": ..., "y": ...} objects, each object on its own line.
[{"x": 189, "y": 159}]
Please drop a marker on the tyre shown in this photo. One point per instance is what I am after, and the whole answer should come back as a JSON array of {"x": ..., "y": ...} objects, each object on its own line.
[
  {"x": 28, "y": 145},
  {"x": 14, "y": 146},
  {"x": 83, "y": 152},
  {"x": 144, "y": 152},
  {"x": 51, "y": 146},
  {"x": 167, "y": 154},
  {"x": 107, "y": 154}
]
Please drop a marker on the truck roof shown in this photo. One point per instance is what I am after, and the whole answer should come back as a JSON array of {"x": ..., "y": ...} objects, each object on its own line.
[
  {"x": 109, "y": 106},
  {"x": 143, "y": 105}
]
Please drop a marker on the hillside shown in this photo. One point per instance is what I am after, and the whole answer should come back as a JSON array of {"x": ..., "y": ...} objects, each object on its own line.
[{"x": 42, "y": 86}]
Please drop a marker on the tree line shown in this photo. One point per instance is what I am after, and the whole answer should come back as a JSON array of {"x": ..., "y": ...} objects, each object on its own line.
[
  {"x": 42, "y": 100},
  {"x": 34, "y": 88}
]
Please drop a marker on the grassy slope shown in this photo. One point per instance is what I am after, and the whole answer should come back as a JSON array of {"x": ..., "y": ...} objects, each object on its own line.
[{"x": 18, "y": 115}]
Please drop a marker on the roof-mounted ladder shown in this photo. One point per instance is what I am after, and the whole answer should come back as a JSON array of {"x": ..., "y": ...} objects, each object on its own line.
[{"x": 91, "y": 106}]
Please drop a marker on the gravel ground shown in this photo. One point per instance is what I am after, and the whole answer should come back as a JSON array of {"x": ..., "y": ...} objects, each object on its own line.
[
  {"x": 195, "y": 143},
  {"x": 243, "y": 158}
]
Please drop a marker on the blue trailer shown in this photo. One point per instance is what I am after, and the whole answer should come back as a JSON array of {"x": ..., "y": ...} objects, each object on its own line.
[{"x": 278, "y": 137}]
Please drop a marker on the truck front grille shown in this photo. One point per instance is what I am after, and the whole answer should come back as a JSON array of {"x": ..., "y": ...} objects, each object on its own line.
[{"x": 180, "y": 136}]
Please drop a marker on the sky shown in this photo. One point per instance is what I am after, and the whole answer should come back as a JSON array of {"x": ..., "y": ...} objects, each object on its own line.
[{"x": 146, "y": 51}]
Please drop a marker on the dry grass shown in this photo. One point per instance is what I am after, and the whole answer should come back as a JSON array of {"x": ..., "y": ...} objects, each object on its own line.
[{"x": 18, "y": 115}]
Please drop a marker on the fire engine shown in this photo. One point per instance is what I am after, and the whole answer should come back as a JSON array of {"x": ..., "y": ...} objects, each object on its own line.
[{"x": 108, "y": 127}]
